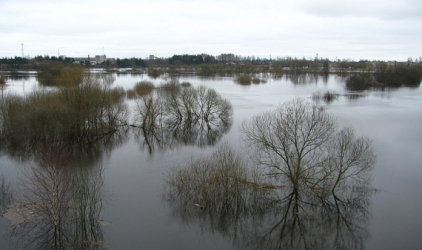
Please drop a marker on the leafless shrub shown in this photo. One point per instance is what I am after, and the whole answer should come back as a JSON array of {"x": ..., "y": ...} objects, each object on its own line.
[
  {"x": 85, "y": 112},
  {"x": 144, "y": 88},
  {"x": 220, "y": 182}
]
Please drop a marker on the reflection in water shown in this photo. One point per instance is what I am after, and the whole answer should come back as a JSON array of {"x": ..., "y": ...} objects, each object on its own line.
[
  {"x": 176, "y": 115},
  {"x": 309, "y": 223},
  {"x": 61, "y": 204},
  {"x": 222, "y": 195},
  {"x": 17, "y": 76},
  {"x": 328, "y": 96},
  {"x": 355, "y": 96},
  {"x": 87, "y": 151},
  {"x": 6, "y": 193},
  {"x": 303, "y": 78}
]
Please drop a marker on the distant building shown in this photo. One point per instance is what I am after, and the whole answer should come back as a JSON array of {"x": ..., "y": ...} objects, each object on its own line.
[{"x": 100, "y": 59}]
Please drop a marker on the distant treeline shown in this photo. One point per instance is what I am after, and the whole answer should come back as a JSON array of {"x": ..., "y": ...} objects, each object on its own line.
[
  {"x": 204, "y": 63},
  {"x": 22, "y": 63}
]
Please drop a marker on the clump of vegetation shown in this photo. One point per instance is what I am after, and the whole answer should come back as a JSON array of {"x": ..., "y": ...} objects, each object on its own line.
[
  {"x": 244, "y": 79},
  {"x": 188, "y": 115},
  {"x": 359, "y": 82},
  {"x": 155, "y": 72},
  {"x": 172, "y": 85},
  {"x": 85, "y": 112},
  {"x": 131, "y": 94},
  {"x": 257, "y": 80},
  {"x": 187, "y": 104},
  {"x": 2, "y": 80},
  {"x": 55, "y": 73},
  {"x": 387, "y": 76},
  {"x": 328, "y": 96},
  {"x": 220, "y": 182},
  {"x": 185, "y": 84},
  {"x": 144, "y": 88},
  {"x": 409, "y": 76}
]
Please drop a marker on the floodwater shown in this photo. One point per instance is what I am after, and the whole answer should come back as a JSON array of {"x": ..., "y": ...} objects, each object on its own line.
[{"x": 135, "y": 212}]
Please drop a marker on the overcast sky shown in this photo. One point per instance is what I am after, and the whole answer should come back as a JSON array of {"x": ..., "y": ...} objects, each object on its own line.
[{"x": 355, "y": 29}]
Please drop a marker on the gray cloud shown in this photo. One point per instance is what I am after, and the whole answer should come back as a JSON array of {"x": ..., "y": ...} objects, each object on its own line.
[{"x": 357, "y": 29}]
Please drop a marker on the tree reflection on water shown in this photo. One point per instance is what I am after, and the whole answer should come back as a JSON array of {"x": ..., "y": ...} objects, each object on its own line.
[
  {"x": 176, "y": 115},
  {"x": 60, "y": 205}
]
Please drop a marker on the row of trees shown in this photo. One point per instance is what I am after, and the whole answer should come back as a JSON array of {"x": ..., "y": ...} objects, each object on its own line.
[{"x": 386, "y": 76}]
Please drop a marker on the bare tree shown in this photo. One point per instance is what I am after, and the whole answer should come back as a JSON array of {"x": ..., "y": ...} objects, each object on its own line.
[
  {"x": 223, "y": 195},
  {"x": 179, "y": 113},
  {"x": 299, "y": 146}
]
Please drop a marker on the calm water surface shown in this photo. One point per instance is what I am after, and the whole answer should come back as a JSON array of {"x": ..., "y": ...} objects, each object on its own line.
[{"x": 133, "y": 196}]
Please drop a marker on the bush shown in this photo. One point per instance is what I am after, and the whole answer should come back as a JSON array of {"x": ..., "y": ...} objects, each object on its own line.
[
  {"x": 81, "y": 113},
  {"x": 130, "y": 93},
  {"x": 412, "y": 76},
  {"x": 359, "y": 82},
  {"x": 244, "y": 79},
  {"x": 256, "y": 80},
  {"x": 144, "y": 88},
  {"x": 59, "y": 74},
  {"x": 185, "y": 84}
]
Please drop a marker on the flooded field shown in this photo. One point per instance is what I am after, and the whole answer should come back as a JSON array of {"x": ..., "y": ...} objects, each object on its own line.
[{"x": 124, "y": 197}]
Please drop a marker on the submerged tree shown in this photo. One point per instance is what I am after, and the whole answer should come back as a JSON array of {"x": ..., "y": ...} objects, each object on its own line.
[
  {"x": 299, "y": 146},
  {"x": 181, "y": 114}
]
